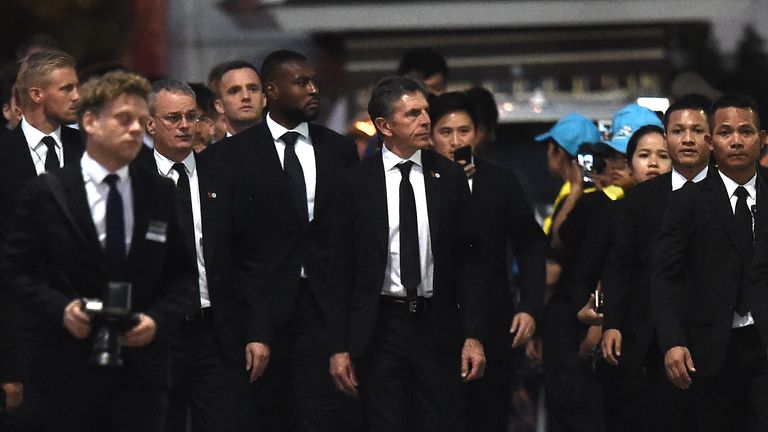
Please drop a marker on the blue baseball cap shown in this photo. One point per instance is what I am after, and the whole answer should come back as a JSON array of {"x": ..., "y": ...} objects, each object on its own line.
[
  {"x": 627, "y": 121},
  {"x": 572, "y": 131}
]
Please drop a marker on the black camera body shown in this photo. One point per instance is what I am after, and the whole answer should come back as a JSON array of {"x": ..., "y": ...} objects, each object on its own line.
[{"x": 111, "y": 316}]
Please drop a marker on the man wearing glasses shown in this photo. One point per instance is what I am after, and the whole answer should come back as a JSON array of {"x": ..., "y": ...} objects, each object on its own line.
[{"x": 208, "y": 377}]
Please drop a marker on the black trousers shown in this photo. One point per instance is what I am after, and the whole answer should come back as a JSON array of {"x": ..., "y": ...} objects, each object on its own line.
[
  {"x": 406, "y": 383},
  {"x": 204, "y": 388},
  {"x": 107, "y": 400},
  {"x": 296, "y": 392},
  {"x": 488, "y": 400},
  {"x": 641, "y": 398},
  {"x": 737, "y": 399}
]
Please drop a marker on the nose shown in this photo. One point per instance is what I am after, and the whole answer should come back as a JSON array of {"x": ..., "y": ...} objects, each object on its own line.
[
  {"x": 313, "y": 88},
  {"x": 688, "y": 136},
  {"x": 75, "y": 96},
  {"x": 653, "y": 161}
]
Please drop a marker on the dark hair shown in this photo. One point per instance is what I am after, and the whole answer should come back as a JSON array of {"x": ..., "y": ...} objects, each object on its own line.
[
  {"x": 442, "y": 105},
  {"x": 735, "y": 100},
  {"x": 693, "y": 101},
  {"x": 203, "y": 97},
  {"x": 425, "y": 61},
  {"x": 387, "y": 91},
  {"x": 218, "y": 71},
  {"x": 485, "y": 108},
  {"x": 637, "y": 136},
  {"x": 8, "y": 78},
  {"x": 275, "y": 59}
]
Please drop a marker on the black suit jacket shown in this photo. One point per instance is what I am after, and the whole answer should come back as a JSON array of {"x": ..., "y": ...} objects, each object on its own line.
[
  {"x": 359, "y": 255},
  {"x": 16, "y": 170},
  {"x": 52, "y": 256},
  {"x": 275, "y": 223},
  {"x": 627, "y": 281},
  {"x": 502, "y": 220},
  {"x": 228, "y": 249},
  {"x": 698, "y": 270}
]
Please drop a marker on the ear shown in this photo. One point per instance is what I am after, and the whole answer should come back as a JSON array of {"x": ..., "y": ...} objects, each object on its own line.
[
  {"x": 36, "y": 94},
  {"x": 151, "y": 126},
  {"x": 763, "y": 137},
  {"x": 271, "y": 91},
  {"x": 89, "y": 122},
  {"x": 383, "y": 126},
  {"x": 708, "y": 140},
  {"x": 218, "y": 105}
]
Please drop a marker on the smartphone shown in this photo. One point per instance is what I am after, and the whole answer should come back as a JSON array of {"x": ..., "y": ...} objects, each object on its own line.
[
  {"x": 463, "y": 154},
  {"x": 599, "y": 300}
]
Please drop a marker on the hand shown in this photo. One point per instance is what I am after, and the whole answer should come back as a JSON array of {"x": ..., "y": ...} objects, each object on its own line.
[
  {"x": 534, "y": 350},
  {"x": 553, "y": 272},
  {"x": 469, "y": 169},
  {"x": 343, "y": 373},
  {"x": 256, "y": 359},
  {"x": 77, "y": 322},
  {"x": 678, "y": 362},
  {"x": 141, "y": 334},
  {"x": 590, "y": 341},
  {"x": 472, "y": 360},
  {"x": 14, "y": 395},
  {"x": 524, "y": 326},
  {"x": 587, "y": 314},
  {"x": 612, "y": 346}
]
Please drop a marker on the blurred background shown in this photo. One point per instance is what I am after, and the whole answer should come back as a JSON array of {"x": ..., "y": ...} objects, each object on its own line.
[{"x": 541, "y": 59}]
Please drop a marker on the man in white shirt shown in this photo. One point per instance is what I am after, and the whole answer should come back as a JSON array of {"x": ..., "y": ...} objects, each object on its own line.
[
  {"x": 711, "y": 322},
  {"x": 208, "y": 378},
  {"x": 407, "y": 314}
]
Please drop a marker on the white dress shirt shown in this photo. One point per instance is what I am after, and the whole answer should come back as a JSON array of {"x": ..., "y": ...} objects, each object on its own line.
[
  {"x": 392, "y": 176},
  {"x": 96, "y": 190},
  {"x": 730, "y": 186},
  {"x": 37, "y": 149},
  {"x": 678, "y": 180},
  {"x": 165, "y": 168},
  {"x": 305, "y": 152}
]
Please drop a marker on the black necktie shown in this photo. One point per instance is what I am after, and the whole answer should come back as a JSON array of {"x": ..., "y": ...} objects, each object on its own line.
[
  {"x": 51, "y": 158},
  {"x": 114, "y": 247},
  {"x": 292, "y": 167},
  {"x": 410, "y": 264},
  {"x": 187, "y": 221},
  {"x": 746, "y": 238}
]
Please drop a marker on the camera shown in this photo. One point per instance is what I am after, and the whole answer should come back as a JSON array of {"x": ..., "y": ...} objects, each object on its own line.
[{"x": 111, "y": 316}]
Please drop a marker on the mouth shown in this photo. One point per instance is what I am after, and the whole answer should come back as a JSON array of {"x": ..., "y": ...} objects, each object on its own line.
[
  {"x": 314, "y": 103},
  {"x": 184, "y": 138},
  {"x": 246, "y": 108}
]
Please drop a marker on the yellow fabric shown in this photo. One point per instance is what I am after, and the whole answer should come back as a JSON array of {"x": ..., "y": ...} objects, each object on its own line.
[
  {"x": 565, "y": 189},
  {"x": 613, "y": 192}
]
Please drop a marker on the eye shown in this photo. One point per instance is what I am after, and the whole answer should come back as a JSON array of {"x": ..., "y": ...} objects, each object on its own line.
[{"x": 233, "y": 90}]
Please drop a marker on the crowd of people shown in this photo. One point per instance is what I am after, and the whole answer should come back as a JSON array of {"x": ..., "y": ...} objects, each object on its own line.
[{"x": 207, "y": 257}]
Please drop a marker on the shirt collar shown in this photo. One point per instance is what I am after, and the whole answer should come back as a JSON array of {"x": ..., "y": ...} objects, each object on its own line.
[
  {"x": 96, "y": 172},
  {"x": 731, "y": 185},
  {"x": 277, "y": 130},
  {"x": 34, "y": 136},
  {"x": 678, "y": 180},
  {"x": 391, "y": 160},
  {"x": 165, "y": 165}
]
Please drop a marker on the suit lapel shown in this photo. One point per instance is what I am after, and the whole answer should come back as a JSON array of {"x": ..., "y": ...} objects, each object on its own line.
[
  {"x": 208, "y": 187},
  {"x": 432, "y": 186},
  {"x": 377, "y": 194},
  {"x": 142, "y": 192},
  {"x": 265, "y": 151},
  {"x": 74, "y": 187},
  {"x": 71, "y": 143},
  {"x": 323, "y": 169},
  {"x": 721, "y": 204},
  {"x": 21, "y": 150},
  {"x": 761, "y": 212}
]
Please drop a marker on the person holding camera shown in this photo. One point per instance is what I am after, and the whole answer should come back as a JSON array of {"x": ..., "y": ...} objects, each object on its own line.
[
  {"x": 502, "y": 220},
  {"x": 103, "y": 231}
]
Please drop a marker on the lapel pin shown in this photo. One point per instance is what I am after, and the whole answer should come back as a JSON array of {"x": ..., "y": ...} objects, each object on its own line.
[
  {"x": 211, "y": 194},
  {"x": 435, "y": 174}
]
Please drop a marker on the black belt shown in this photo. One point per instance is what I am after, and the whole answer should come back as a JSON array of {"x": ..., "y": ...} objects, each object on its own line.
[
  {"x": 417, "y": 305},
  {"x": 201, "y": 314}
]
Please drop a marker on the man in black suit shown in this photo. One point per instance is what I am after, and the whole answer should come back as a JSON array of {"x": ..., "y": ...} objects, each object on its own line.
[
  {"x": 502, "y": 220},
  {"x": 76, "y": 231},
  {"x": 47, "y": 90},
  {"x": 403, "y": 290},
  {"x": 289, "y": 168},
  {"x": 709, "y": 325},
  {"x": 208, "y": 377},
  {"x": 629, "y": 339}
]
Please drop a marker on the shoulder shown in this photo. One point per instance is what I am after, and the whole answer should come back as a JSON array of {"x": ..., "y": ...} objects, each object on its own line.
[{"x": 71, "y": 135}]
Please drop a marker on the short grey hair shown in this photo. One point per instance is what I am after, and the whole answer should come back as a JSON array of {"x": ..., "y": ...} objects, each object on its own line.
[{"x": 169, "y": 85}]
